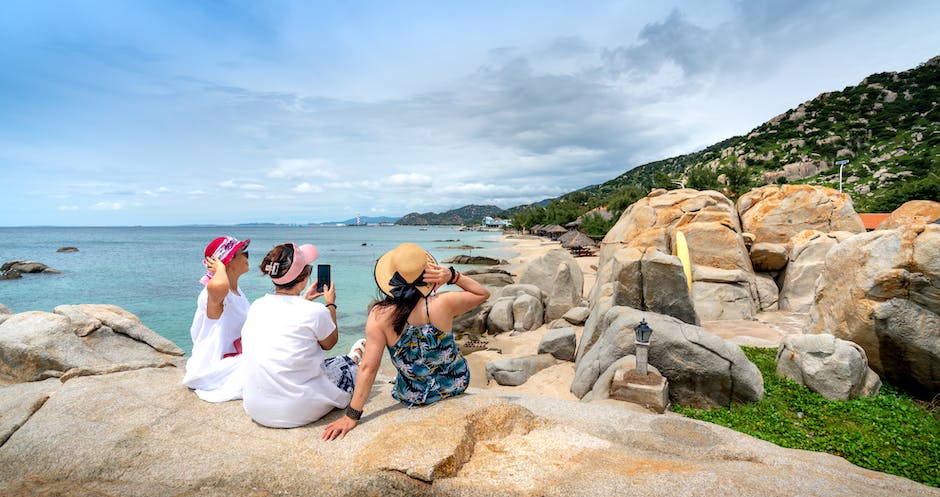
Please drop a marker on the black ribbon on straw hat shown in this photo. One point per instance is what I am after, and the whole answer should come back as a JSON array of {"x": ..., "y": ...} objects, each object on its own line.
[{"x": 401, "y": 289}]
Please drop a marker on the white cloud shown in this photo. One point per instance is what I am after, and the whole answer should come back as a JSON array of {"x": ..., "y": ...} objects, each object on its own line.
[
  {"x": 303, "y": 169},
  {"x": 108, "y": 206},
  {"x": 228, "y": 184},
  {"x": 68, "y": 207},
  {"x": 196, "y": 192},
  {"x": 411, "y": 180},
  {"x": 252, "y": 186},
  {"x": 307, "y": 188}
]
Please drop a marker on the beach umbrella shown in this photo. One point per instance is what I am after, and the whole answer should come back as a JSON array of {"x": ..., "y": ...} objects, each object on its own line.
[
  {"x": 568, "y": 236},
  {"x": 580, "y": 241},
  {"x": 555, "y": 229}
]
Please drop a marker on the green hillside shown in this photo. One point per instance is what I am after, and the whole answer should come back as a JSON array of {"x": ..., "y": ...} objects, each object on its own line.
[
  {"x": 468, "y": 214},
  {"x": 887, "y": 127}
]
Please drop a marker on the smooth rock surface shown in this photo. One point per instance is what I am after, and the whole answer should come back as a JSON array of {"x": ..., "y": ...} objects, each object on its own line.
[
  {"x": 516, "y": 370},
  {"x": 775, "y": 213},
  {"x": 557, "y": 274},
  {"x": 142, "y": 433},
  {"x": 881, "y": 290},
  {"x": 836, "y": 369},
  {"x": 561, "y": 343},
  {"x": 703, "y": 370}
]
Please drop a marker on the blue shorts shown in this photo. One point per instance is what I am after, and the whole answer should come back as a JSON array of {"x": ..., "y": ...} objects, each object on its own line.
[{"x": 341, "y": 370}]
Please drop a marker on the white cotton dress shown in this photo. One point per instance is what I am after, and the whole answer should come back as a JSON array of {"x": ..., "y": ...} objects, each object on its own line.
[
  {"x": 285, "y": 384},
  {"x": 214, "y": 377}
]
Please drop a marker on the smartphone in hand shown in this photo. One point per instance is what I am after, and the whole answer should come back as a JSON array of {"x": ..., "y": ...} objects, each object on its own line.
[{"x": 323, "y": 277}]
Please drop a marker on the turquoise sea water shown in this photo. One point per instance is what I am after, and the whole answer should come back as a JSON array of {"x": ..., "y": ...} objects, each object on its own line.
[{"x": 154, "y": 272}]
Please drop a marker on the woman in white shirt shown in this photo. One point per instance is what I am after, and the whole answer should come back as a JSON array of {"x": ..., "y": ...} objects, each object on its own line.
[
  {"x": 287, "y": 381},
  {"x": 214, "y": 367}
]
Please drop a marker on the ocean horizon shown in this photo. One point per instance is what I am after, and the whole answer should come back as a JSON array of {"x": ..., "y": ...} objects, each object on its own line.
[{"x": 153, "y": 271}]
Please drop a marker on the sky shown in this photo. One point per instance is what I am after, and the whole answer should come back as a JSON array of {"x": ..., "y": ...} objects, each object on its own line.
[{"x": 170, "y": 112}]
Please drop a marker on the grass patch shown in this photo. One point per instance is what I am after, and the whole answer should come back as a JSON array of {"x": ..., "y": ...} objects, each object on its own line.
[{"x": 891, "y": 432}]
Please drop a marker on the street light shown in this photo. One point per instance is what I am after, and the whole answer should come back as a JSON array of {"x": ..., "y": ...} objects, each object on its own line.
[{"x": 841, "y": 163}]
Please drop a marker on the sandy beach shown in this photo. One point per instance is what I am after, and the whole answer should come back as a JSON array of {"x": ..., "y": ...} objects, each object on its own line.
[{"x": 554, "y": 381}]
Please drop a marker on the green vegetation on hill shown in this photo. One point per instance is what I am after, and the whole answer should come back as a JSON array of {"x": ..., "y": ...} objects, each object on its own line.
[
  {"x": 887, "y": 128},
  {"x": 890, "y": 432},
  {"x": 468, "y": 215}
]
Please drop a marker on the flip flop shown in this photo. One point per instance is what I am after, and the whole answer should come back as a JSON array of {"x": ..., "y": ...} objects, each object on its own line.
[{"x": 358, "y": 348}]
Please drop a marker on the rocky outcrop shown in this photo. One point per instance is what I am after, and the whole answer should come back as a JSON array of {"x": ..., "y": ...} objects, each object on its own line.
[
  {"x": 767, "y": 256},
  {"x": 724, "y": 293},
  {"x": 646, "y": 279},
  {"x": 881, "y": 290},
  {"x": 703, "y": 370},
  {"x": 142, "y": 433},
  {"x": 712, "y": 230},
  {"x": 67, "y": 250},
  {"x": 808, "y": 251},
  {"x": 577, "y": 315},
  {"x": 768, "y": 293},
  {"x": 480, "y": 260},
  {"x": 836, "y": 369},
  {"x": 490, "y": 277},
  {"x": 561, "y": 343},
  {"x": 912, "y": 212},
  {"x": 22, "y": 266},
  {"x": 516, "y": 370},
  {"x": 774, "y": 214},
  {"x": 517, "y": 307},
  {"x": 36, "y": 345},
  {"x": 556, "y": 273}
]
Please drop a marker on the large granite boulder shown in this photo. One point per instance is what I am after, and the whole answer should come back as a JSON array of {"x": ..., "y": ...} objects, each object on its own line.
[
  {"x": 912, "y": 212},
  {"x": 517, "y": 307},
  {"x": 836, "y": 369},
  {"x": 766, "y": 256},
  {"x": 556, "y": 273},
  {"x": 514, "y": 371},
  {"x": 36, "y": 345},
  {"x": 881, "y": 290},
  {"x": 647, "y": 279},
  {"x": 577, "y": 315},
  {"x": 724, "y": 293},
  {"x": 473, "y": 323},
  {"x": 703, "y": 370},
  {"x": 768, "y": 294},
  {"x": 561, "y": 343},
  {"x": 712, "y": 230},
  {"x": 808, "y": 251},
  {"x": 494, "y": 277},
  {"x": 142, "y": 433},
  {"x": 774, "y": 213}
]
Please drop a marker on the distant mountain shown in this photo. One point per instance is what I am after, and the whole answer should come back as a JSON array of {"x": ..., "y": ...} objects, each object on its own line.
[
  {"x": 468, "y": 214},
  {"x": 365, "y": 220},
  {"x": 883, "y": 132}
]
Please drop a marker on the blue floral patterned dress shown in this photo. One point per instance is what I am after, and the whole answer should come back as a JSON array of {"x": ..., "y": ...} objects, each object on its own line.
[{"x": 430, "y": 366}]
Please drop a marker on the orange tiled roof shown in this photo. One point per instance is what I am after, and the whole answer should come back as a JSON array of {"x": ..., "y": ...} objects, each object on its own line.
[{"x": 871, "y": 221}]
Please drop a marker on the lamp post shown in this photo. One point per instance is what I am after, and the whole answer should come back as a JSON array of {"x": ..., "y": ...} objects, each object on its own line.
[
  {"x": 841, "y": 164},
  {"x": 643, "y": 333}
]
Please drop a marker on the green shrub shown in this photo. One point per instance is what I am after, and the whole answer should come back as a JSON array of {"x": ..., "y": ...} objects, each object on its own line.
[{"x": 890, "y": 432}]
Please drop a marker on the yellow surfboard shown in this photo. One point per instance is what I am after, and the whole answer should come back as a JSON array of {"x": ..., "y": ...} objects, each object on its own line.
[{"x": 680, "y": 249}]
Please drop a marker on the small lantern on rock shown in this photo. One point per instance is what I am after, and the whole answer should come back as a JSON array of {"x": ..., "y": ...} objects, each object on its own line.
[{"x": 643, "y": 333}]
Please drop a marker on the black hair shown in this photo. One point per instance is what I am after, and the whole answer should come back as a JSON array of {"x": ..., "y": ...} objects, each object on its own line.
[
  {"x": 281, "y": 257},
  {"x": 401, "y": 309}
]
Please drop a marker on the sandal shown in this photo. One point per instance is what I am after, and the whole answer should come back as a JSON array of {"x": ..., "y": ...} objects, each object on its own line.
[{"x": 358, "y": 348}]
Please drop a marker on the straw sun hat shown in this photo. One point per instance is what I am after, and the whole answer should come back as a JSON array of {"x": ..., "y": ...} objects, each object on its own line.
[{"x": 407, "y": 260}]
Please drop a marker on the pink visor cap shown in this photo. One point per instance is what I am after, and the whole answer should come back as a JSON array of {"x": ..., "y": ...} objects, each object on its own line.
[{"x": 303, "y": 255}]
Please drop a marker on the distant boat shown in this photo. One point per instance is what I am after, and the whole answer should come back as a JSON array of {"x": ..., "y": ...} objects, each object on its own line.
[{"x": 422, "y": 229}]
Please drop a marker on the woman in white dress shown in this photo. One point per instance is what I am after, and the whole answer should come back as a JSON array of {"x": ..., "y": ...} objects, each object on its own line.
[
  {"x": 214, "y": 368},
  {"x": 287, "y": 381}
]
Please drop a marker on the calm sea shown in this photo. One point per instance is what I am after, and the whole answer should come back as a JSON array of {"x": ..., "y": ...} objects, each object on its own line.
[{"x": 153, "y": 272}]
